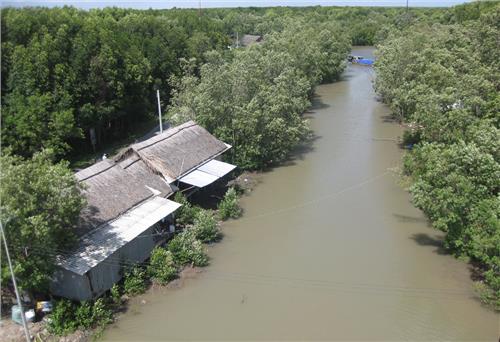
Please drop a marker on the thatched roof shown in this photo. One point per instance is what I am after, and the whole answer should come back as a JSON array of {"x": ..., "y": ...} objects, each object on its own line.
[
  {"x": 143, "y": 170},
  {"x": 249, "y": 39},
  {"x": 111, "y": 189},
  {"x": 176, "y": 151}
]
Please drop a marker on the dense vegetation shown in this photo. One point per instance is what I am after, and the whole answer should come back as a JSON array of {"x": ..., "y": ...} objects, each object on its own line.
[
  {"x": 40, "y": 205},
  {"x": 254, "y": 101},
  {"x": 66, "y": 71},
  {"x": 444, "y": 81},
  {"x": 69, "y": 74}
]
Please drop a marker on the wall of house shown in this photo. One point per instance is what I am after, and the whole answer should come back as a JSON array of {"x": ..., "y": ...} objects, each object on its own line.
[
  {"x": 103, "y": 276},
  {"x": 70, "y": 285}
]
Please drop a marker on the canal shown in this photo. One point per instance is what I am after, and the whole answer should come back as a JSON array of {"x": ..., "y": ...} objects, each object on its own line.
[{"x": 329, "y": 247}]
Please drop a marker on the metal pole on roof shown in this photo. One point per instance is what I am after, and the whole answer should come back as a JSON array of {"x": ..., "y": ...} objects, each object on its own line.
[
  {"x": 23, "y": 317},
  {"x": 159, "y": 109}
]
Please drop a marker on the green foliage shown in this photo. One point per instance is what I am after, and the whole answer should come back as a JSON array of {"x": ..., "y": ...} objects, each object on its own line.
[
  {"x": 187, "y": 212},
  {"x": 135, "y": 281},
  {"x": 161, "y": 266},
  {"x": 40, "y": 205},
  {"x": 62, "y": 319},
  {"x": 83, "y": 315},
  {"x": 444, "y": 80},
  {"x": 255, "y": 99},
  {"x": 186, "y": 249},
  {"x": 102, "y": 315},
  {"x": 229, "y": 207},
  {"x": 116, "y": 295},
  {"x": 67, "y": 316},
  {"x": 66, "y": 71},
  {"x": 411, "y": 137},
  {"x": 205, "y": 226}
]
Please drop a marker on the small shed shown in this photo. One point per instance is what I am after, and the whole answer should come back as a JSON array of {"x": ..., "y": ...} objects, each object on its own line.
[
  {"x": 118, "y": 227},
  {"x": 250, "y": 39},
  {"x": 102, "y": 255}
]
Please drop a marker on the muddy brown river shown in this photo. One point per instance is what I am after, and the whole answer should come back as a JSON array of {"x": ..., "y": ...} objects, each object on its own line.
[{"x": 329, "y": 248}]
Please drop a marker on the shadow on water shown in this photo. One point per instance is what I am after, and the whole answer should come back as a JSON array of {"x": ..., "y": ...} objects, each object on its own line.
[
  {"x": 426, "y": 240},
  {"x": 390, "y": 118},
  {"x": 297, "y": 154},
  {"x": 411, "y": 219},
  {"x": 316, "y": 104}
]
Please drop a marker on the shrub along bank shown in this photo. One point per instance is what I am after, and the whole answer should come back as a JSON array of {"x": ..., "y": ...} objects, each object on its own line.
[
  {"x": 444, "y": 81},
  {"x": 198, "y": 225}
]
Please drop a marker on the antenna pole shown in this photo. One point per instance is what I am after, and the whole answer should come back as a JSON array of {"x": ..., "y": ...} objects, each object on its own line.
[
  {"x": 23, "y": 317},
  {"x": 159, "y": 109}
]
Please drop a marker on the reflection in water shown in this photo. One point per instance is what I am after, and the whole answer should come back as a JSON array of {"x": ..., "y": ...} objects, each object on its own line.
[{"x": 330, "y": 247}]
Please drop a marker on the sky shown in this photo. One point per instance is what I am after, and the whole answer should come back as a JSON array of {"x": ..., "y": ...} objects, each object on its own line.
[{"x": 158, "y": 4}]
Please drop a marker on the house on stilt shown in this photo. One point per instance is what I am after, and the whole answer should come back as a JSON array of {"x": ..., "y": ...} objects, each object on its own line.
[{"x": 128, "y": 211}]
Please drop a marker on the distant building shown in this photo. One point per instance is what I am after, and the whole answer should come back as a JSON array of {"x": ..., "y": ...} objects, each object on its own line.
[
  {"x": 128, "y": 211},
  {"x": 250, "y": 39}
]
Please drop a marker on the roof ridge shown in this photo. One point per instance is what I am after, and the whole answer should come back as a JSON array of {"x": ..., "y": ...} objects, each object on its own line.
[
  {"x": 177, "y": 129},
  {"x": 98, "y": 172}
]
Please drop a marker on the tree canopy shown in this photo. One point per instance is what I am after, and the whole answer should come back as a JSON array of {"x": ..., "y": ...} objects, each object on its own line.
[
  {"x": 41, "y": 203},
  {"x": 73, "y": 77},
  {"x": 255, "y": 100},
  {"x": 444, "y": 80}
]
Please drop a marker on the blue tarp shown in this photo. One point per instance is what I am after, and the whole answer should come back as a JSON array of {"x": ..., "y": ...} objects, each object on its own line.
[{"x": 365, "y": 61}]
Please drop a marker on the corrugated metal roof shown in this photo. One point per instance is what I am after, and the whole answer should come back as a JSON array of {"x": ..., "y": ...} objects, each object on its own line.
[
  {"x": 217, "y": 168},
  {"x": 207, "y": 173},
  {"x": 199, "y": 178},
  {"x": 99, "y": 244}
]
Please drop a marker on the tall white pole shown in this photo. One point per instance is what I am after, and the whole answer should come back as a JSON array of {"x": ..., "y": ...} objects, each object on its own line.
[
  {"x": 23, "y": 317},
  {"x": 159, "y": 109}
]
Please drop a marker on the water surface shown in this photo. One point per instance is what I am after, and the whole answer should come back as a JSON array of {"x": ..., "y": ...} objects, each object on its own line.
[{"x": 329, "y": 248}]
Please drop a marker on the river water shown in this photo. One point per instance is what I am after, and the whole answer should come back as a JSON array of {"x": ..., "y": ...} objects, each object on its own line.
[{"x": 329, "y": 248}]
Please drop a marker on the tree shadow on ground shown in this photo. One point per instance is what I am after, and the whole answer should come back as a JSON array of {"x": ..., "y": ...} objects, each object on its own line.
[{"x": 436, "y": 241}]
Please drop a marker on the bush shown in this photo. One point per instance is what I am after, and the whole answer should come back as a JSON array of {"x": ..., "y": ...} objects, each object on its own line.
[
  {"x": 187, "y": 249},
  {"x": 205, "y": 226},
  {"x": 67, "y": 317},
  {"x": 101, "y": 313},
  {"x": 487, "y": 295},
  {"x": 116, "y": 295},
  {"x": 187, "y": 212},
  {"x": 83, "y": 315},
  {"x": 229, "y": 207},
  {"x": 135, "y": 281},
  {"x": 411, "y": 137},
  {"x": 162, "y": 267},
  {"x": 62, "y": 320}
]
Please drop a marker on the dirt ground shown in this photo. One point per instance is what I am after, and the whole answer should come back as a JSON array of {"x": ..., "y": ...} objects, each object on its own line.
[{"x": 13, "y": 332}]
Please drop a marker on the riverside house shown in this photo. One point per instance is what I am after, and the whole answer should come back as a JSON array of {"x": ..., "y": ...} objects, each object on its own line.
[
  {"x": 250, "y": 39},
  {"x": 128, "y": 211}
]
